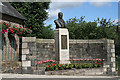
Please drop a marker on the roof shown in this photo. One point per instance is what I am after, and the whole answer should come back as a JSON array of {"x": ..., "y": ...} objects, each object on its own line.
[{"x": 10, "y": 10}]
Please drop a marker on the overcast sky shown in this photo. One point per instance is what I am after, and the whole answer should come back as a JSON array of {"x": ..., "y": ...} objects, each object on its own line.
[{"x": 77, "y": 8}]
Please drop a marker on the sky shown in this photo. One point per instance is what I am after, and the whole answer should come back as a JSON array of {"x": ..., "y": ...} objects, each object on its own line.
[{"x": 91, "y": 10}]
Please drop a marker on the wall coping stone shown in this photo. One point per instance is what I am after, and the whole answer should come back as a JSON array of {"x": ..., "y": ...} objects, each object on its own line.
[
  {"x": 45, "y": 40},
  {"x": 75, "y": 41},
  {"x": 28, "y": 39}
]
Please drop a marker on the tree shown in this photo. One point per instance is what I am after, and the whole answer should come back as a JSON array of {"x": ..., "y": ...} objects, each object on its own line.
[
  {"x": 47, "y": 32},
  {"x": 35, "y": 13},
  {"x": 80, "y": 29}
]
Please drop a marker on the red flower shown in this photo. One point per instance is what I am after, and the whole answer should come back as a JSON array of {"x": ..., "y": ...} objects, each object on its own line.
[
  {"x": 91, "y": 59},
  {"x": 74, "y": 59},
  {"x": 6, "y": 24},
  {"x": 96, "y": 59},
  {"x": 95, "y": 62},
  {"x": 54, "y": 64},
  {"x": 37, "y": 62},
  {"x": 60, "y": 65},
  {"x": 99, "y": 63},
  {"x": 48, "y": 65},
  {"x": 81, "y": 59}
]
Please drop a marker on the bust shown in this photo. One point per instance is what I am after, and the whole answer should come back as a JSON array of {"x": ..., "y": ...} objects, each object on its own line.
[{"x": 60, "y": 23}]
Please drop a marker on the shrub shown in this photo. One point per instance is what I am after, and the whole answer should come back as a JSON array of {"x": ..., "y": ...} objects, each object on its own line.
[
  {"x": 79, "y": 66},
  {"x": 66, "y": 66},
  {"x": 60, "y": 66},
  {"x": 70, "y": 66}
]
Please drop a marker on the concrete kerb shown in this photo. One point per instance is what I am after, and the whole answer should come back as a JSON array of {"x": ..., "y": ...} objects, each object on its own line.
[{"x": 50, "y": 76}]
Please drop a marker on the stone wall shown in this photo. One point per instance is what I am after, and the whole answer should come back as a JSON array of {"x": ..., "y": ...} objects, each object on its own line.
[
  {"x": 78, "y": 72},
  {"x": 45, "y": 49},
  {"x": 78, "y": 49},
  {"x": 34, "y": 50},
  {"x": 28, "y": 53},
  {"x": 88, "y": 49}
]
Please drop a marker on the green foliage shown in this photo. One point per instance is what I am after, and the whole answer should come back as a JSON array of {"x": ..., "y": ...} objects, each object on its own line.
[
  {"x": 80, "y": 29},
  {"x": 85, "y": 65},
  {"x": 117, "y": 62},
  {"x": 35, "y": 13},
  {"x": 66, "y": 66},
  {"x": 100, "y": 28},
  {"x": 47, "y": 32},
  {"x": 70, "y": 66},
  {"x": 79, "y": 66},
  {"x": 52, "y": 67}
]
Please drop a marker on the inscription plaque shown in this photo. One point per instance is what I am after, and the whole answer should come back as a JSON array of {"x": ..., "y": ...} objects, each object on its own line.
[{"x": 64, "y": 41}]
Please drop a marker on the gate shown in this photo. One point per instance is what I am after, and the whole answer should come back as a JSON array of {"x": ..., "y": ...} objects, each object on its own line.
[
  {"x": 10, "y": 46},
  {"x": 10, "y": 49}
]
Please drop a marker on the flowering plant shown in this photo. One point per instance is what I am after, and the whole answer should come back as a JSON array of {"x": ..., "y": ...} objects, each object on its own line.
[
  {"x": 88, "y": 63},
  {"x": 4, "y": 26},
  {"x": 14, "y": 30}
]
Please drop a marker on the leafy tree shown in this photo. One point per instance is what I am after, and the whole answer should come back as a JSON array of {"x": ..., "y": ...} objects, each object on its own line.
[
  {"x": 47, "y": 32},
  {"x": 103, "y": 23},
  {"x": 35, "y": 13},
  {"x": 80, "y": 29}
]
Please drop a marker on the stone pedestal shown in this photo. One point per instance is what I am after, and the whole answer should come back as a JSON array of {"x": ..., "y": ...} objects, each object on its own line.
[{"x": 61, "y": 36}]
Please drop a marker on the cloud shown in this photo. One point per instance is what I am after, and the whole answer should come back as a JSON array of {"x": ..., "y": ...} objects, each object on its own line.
[
  {"x": 84, "y": 0},
  {"x": 116, "y": 20},
  {"x": 61, "y": 5},
  {"x": 57, "y": 5},
  {"x": 53, "y": 13},
  {"x": 100, "y": 4}
]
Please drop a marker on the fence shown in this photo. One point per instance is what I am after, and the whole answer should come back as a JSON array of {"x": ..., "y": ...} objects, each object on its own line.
[{"x": 10, "y": 48}]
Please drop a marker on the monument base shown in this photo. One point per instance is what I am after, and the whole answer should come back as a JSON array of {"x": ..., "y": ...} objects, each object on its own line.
[{"x": 61, "y": 36}]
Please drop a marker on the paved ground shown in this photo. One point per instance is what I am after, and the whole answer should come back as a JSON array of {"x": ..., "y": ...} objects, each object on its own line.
[{"x": 55, "y": 77}]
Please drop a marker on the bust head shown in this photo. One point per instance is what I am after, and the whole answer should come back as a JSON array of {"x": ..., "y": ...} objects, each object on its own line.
[{"x": 60, "y": 15}]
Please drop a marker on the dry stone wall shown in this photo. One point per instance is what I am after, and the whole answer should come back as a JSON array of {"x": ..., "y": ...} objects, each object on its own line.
[{"x": 34, "y": 50}]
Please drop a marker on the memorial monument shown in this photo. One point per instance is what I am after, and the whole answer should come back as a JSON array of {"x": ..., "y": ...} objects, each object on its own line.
[{"x": 61, "y": 36}]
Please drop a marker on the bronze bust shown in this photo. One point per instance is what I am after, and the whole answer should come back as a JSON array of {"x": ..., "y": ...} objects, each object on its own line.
[{"x": 60, "y": 23}]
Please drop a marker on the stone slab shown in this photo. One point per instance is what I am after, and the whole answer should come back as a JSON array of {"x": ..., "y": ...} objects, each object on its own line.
[
  {"x": 110, "y": 41},
  {"x": 113, "y": 70},
  {"x": 45, "y": 40},
  {"x": 112, "y": 59},
  {"x": 25, "y": 51},
  {"x": 23, "y": 57},
  {"x": 113, "y": 54},
  {"x": 24, "y": 45},
  {"x": 26, "y": 63},
  {"x": 28, "y": 39},
  {"x": 112, "y": 50}
]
